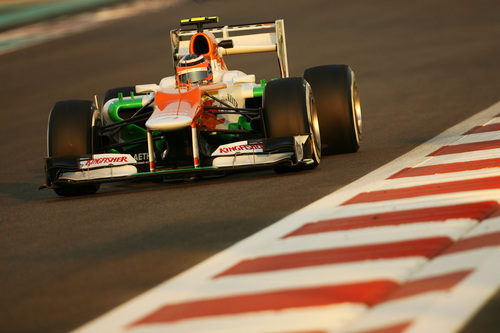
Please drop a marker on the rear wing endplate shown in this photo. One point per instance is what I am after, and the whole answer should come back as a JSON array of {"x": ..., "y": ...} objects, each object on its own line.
[{"x": 247, "y": 38}]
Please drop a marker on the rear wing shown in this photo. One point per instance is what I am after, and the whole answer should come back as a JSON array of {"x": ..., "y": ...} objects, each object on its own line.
[{"x": 238, "y": 39}]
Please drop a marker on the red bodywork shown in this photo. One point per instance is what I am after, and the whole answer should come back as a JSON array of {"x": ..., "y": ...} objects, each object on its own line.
[{"x": 177, "y": 109}]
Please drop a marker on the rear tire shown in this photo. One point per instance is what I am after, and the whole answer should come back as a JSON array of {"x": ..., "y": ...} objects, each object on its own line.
[
  {"x": 339, "y": 110},
  {"x": 70, "y": 134},
  {"x": 290, "y": 110}
]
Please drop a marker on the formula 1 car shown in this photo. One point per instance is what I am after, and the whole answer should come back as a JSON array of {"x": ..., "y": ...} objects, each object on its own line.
[{"x": 205, "y": 119}]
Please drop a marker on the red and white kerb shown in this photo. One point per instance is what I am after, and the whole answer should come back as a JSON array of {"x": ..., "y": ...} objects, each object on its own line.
[{"x": 412, "y": 247}]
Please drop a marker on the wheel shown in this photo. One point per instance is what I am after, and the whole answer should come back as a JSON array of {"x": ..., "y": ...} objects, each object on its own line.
[
  {"x": 339, "y": 110},
  {"x": 289, "y": 110},
  {"x": 70, "y": 134},
  {"x": 113, "y": 93}
]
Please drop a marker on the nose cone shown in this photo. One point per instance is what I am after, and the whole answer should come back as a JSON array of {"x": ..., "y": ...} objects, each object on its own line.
[
  {"x": 174, "y": 110},
  {"x": 169, "y": 121}
]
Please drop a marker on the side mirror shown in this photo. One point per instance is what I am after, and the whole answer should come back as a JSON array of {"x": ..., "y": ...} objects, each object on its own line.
[
  {"x": 146, "y": 88},
  {"x": 226, "y": 44}
]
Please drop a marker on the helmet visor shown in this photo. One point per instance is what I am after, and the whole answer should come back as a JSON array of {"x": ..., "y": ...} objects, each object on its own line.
[{"x": 194, "y": 75}]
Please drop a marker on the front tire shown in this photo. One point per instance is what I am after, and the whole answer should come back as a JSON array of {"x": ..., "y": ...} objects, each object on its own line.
[
  {"x": 339, "y": 110},
  {"x": 70, "y": 133},
  {"x": 290, "y": 110}
]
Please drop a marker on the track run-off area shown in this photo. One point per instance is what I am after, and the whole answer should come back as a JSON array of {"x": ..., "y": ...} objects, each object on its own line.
[
  {"x": 411, "y": 247},
  {"x": 401, "y": 236}
]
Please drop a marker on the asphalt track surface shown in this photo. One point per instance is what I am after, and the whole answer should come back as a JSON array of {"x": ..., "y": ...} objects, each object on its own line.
[{"x": 421, "y": 68}]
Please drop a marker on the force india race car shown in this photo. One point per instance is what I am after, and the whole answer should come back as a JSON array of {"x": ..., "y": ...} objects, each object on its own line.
[{"x": 205, "y": 119}]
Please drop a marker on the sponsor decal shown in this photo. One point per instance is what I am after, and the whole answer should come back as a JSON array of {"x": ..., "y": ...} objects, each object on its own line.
[
  {"x": 144, "y": 157},
  {"x": 230, "y": 100},
  {"x": 106, "y": 161},
  {"x": 238, "y": 148},
  {"x": 141, "y": 157},
  {"x": 103, "y": 160},
  {"x": 252, "y": 148}
]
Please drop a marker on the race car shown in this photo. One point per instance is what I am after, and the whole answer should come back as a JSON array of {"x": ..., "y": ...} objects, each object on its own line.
[{"x": 206, "y": 119}]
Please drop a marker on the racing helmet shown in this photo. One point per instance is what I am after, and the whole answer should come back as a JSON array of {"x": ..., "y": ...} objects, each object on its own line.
[{"x": 193, "y": 69}]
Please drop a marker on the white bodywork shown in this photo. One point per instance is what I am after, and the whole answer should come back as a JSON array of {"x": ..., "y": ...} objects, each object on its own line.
[
  {"x": 240, "y": 147},
  {"x": 103, "y": 166},
  {"x": 249, "y": 160}
]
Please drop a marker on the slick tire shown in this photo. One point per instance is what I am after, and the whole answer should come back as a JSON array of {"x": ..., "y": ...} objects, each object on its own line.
[
  {"x": 70, "y": 134},
  {"x": 339, "y": 110},
  {"x": 289, "y": 110}
]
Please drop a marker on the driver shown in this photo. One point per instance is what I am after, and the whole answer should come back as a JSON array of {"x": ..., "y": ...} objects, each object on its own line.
[{"x": 193, "y": 69}]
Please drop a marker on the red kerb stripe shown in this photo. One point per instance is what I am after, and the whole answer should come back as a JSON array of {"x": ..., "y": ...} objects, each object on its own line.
[
  {"x": 397, "y": 328},
  {"x": 426, "y": 247},
  {"x": 446, "y": 168},
  {"x": 476, "y": 211},
  {"x": 430, "y": 189},
  {"x": 368, "y": 293},
  {"x": 495, "y": 214},
  {"x": 435, "y": 283},
  {"x": 475, "y": 242},
  {"x": 466, "y": 147},
  {"x": 486, "y": 128}
]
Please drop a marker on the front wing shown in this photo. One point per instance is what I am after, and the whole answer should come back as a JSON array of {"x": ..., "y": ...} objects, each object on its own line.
[{"x": 110, "y": 167}]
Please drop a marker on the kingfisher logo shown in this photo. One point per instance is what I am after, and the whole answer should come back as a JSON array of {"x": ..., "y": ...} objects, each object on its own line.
[
  {"x": 107, "y": 160},
  {"x": 238, "y": 148},
  {"x": 104, "y": 160},
  {"x": 242, "y": 148}
]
